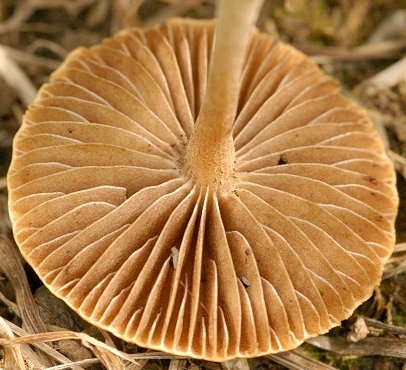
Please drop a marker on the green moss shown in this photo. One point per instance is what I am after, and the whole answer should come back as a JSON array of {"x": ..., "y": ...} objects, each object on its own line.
[
  {"x": 338, "y": 361},
  {"x": 399, "y": 319}
]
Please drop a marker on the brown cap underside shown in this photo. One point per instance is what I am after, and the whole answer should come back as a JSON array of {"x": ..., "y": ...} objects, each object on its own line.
[{"x": 107, "y": 213}]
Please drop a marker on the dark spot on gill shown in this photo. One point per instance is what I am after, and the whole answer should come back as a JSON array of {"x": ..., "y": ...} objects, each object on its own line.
[{"x": 283, "y": 159}]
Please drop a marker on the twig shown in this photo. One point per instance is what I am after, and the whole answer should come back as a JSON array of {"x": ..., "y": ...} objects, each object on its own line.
[
  {"x": 296, "y": 360},
  {"x": 48, "y": 45},
  {"x": 354, "y": 20},
  {"x": 400, "y": 248},
  {"x": 378, "y": 346},
  {"x": 72, "y": 7},
  {"x": 18, "y": 113},
  {"x": 27, "y": 8},
  {"x": 394, "y": 329},
  {"x": 390, "y": 27},
  {"x": 383, "y": 50},
  {"x": 170, "y": 12},
  {"x": 392, "y": 75},
  {"x": 24, "y": 58},
  {"x": 16, "y": 78},
  {"x": 398, "y": 161},
  {"x": 125, "y": 14},
  {"x": 3, "y": 183},
  {"x": 11, "y": 305}
]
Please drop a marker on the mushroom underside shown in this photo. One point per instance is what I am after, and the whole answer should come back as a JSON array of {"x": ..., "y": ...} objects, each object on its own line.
[{"x": 107, "y": 213}]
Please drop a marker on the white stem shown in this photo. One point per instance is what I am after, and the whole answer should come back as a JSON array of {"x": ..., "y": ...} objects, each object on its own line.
[{"x": 232, "y": 37}]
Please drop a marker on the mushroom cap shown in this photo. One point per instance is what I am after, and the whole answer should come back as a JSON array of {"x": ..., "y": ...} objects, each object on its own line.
[{"x": 105, "y": 210}]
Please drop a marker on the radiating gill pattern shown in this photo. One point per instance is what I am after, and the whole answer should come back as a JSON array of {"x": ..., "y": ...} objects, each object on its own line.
[{"x": 106, "y": 214}]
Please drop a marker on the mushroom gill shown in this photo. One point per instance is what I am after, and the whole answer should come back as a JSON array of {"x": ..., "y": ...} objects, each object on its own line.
[{"x": 202, "y": 190}]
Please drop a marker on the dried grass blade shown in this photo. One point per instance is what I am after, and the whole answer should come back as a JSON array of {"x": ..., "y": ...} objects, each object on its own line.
[
  {"x": 108, "y": 359},
  {"x": 85, "y": 363},
  {"x": 29, "y": 355},
  {"x": 392, "y": 271},
  {"x": 3, "y": 183},
  {"x": 44, "y": 347},
  {"x": 55, "y": 336},
  {"x": 13, "y": 357},
  {"x": 137, "y": 366},
  {"x": 237, "y": 364},
  {"x": 10, "y": 264},
  {"x": 27, "y": 59},
  {"x": 381, "y": 50},
  {"x": 10, "y": 305},
  {"x": 392, "y": 75},
  {"x": 16, "y": 78},
  {"x": 400, "y": 248},
  {"x": 398, "y": 161}
]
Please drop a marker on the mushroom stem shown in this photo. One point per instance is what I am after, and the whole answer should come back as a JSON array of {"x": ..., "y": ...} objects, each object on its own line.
[
  {"x": 232, "y": 37},
  {"x": 210, "y": 152}
]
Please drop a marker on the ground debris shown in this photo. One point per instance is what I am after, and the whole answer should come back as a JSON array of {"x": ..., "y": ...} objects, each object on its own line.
[{"x": 359, "y": 330}]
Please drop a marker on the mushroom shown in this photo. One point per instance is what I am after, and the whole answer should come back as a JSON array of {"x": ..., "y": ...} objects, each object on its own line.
[{"x": 202, "y": 189}]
